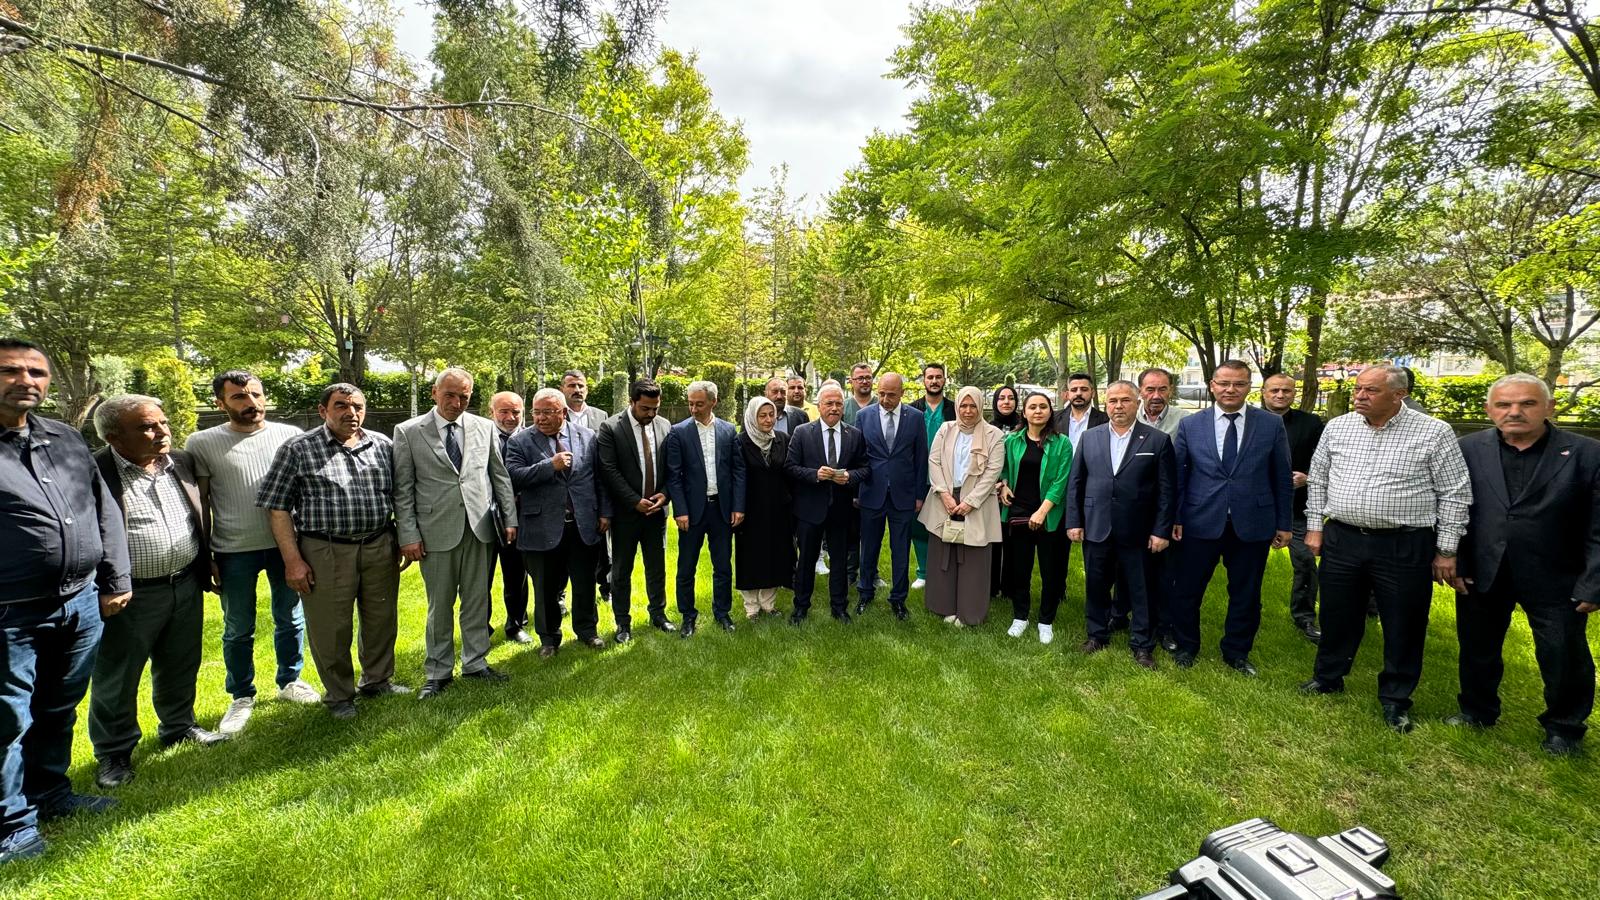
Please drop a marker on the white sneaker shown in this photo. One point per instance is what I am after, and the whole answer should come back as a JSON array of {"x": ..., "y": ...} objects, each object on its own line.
[
  {"x": 882, "y": 584},
  {"x": 1047, "y": 633},
  {"x": 950, "y": 620},
  {"x": 919, "y": 584},
  {"x": 1018, "y": 626},
  {"x": 298, "y": 691},
  {"x": 822, "y": 567},
  {"x": 960, "y": 624},
  {"x": 233, "y": 721}
]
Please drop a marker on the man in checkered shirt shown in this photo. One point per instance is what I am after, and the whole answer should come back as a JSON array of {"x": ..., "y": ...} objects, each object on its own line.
[
  {"x": 1387, "y": 503},
  {"x": 330, "y": 497}
]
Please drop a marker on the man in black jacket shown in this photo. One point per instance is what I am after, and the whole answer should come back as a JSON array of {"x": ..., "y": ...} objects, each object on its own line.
[
  {"x": 1533, "y": 537},
  {"x": 65, "y": 567},
  {"x": 633, "y": 469},
  {"x": 1078, "y": 412},
  {"x": 1304, "y": 430},
  {"x": 827, "y": 462}
]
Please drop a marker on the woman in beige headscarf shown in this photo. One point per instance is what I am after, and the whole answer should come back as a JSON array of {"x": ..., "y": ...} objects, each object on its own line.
[{"x": 961, "y": 513}]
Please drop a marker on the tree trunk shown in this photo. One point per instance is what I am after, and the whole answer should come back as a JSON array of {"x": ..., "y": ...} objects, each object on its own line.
[{"x": 1309, "y": 385}]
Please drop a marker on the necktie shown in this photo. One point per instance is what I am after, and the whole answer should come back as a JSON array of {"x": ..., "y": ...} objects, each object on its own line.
[
  {"x": 833, "y": 455},
  {"x": 1230, "y": 442},
  {"x": 452, "y": 448},
  {"x": 888, "y": 431},
  {"x": 567, "y": 475},
  {"x": 649, "y": 463}
]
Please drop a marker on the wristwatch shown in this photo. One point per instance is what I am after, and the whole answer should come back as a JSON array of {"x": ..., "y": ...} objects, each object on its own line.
[{"x": 1447, "y": 554}]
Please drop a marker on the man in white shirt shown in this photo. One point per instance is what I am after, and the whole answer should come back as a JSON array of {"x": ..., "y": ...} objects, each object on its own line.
[{"x": 705, "y": 479}]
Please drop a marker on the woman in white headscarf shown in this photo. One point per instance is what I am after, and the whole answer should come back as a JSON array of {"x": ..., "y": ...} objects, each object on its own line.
[
  {"x": 961, "y": 512},
  {"x": 764, "y": 541}
]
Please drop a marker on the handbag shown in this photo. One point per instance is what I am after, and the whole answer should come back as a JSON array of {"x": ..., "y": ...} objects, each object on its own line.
[{"x": 954, "y": 532}]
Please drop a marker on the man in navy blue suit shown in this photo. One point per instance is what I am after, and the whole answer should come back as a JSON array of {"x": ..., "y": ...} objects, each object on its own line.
[
  {"x": 827, "y": 460},
  {"x": 562, "y": 518},
  {"x": 897, "y": 475},
  {"x": 705, "y": 481},
  {"x": 1235, "y": 503},
  {"x": 1121, "y": 497}
]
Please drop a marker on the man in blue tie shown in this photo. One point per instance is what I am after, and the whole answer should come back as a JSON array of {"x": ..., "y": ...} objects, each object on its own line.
[
  {"x": 1235, "y": 497},
  {"x": 897, "y": 464}
]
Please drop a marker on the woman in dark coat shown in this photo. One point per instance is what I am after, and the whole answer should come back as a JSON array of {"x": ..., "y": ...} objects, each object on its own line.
[{"x": 764, "y": 542}]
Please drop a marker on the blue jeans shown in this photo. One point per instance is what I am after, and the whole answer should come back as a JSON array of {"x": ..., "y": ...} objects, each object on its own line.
[
  {"x": 238, "y": 572},
  {"x": 49, "y": 649}
]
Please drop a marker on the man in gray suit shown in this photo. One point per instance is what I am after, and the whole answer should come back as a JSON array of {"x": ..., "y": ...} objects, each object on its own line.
[
  {"x": 563, "y": 517},
  {"x": 446, "y": 476}
]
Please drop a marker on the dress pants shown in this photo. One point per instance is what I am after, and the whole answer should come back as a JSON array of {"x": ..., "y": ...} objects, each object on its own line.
[
  {"x": 837, "y": 531},
  {"x": 1128, "y": 565},
  {"x": 1395, "y": 568},
  {"x": 161, "y": 626},
  {"x": 1560, "y": 643},
  {"x": 351, "y": 580},
  {"x": 49, "y": 650},
  {"x": 1303, "y": 595},
  {"x": 714, "y": 529},
  {"x": 513, "y": 587},
  {"x": 646, "y": 536},
  {"x": 1051, "y": 547},
  {"x": 571, "y": 562},
  {"x": 462, "y": 570},
  {"x": 1246, "y": 562},
  {"x": 873, "y": 523}
]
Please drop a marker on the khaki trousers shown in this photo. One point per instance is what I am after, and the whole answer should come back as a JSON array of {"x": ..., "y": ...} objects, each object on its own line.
[{"x": 351, "y": 580}]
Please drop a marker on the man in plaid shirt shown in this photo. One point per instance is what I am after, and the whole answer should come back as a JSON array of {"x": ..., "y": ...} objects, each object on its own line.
[
  {"x": 330, "y": 495},
  {"x": 1387, "y": 503}
]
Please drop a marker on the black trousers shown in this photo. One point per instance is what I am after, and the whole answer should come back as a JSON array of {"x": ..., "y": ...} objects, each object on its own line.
[
  {"x": 1393, "y": 568},
  {"x": 1560, "y": 643},
  {"x": 1246, "y": 562},
  {"x": 838, "y": 531},
  {"x": 643, "y": 536},
  {"x": 571, "y": 562},
  {"x": 514, "y": 586},
  {"x": 1130, "y": 566},
  {"x": 1051, "y": 547}
]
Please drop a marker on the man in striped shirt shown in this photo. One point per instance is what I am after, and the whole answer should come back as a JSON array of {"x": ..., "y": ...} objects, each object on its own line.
[
  {"x": 230, "y": 461},
  {"x": 1387, "y": 500}
]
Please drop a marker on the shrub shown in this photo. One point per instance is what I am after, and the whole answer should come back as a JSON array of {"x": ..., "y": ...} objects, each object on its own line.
[
  {"x": 172, "y": 381},
  {"x": 721, "y": 375}
]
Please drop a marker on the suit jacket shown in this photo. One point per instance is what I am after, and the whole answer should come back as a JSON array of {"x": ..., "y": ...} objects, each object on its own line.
[
  {"x": 686, "y": 470},
  {"x": 622, "y": 469},
  {"x": 1097, "y": 416},
  {"x": 1136, "y": 502},
  {"x": 812, "y": 500},
  {"x": 183, "y": 467},
  {"x": 792, "y": 417},
  {"x": 1257, "y": 495},
  {"x": 543, "y": 493},
  {"x": 1305, "y": 431},
  {"x": 1551, "y": 531},
  {"x": 435, "y": 504},
  {"x": 897, "y": 477}
]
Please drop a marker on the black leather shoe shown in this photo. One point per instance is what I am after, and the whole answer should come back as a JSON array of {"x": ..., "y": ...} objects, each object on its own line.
[
  {"x": 490, "y": 676},
  {"x": 195, "y": 735},
  {"x": 1313, "y": 686},
  {"x": 1145, "y": 659},
  {"x": 1243, "y": 666},
  {"x": 548, "y": 650},
  {"x": 664, "y": 625},
  {"x": 115, "y": 770},
  {"x": 1559, "y": 745},
  {"x": 594, "y": 641},
  {"x": 1462, "y": 720},
  {"x": 901, "y": 613},
  {"x": 29, "y": 849},
  {"x": 1184, "y": 659},
  {"x": 843, "y": 618},
  {"x": 687, "y": 631},
  {"x": 1169, "y": 644},
  {"x": 433, "y": 687},
  {"x": 1395, "y": 718},
  {"x": 384, "y": 690},
  {"x": 1310, "y": 632},
  {"x": 725, "y": 624},
  {"x": 797, "y": 618},
  {"x": 74, "y": 804},
  {"x": 623, "y": 636},
  {"x": 343, "y": 709},
  {"x": 861, "y": 607},
  {"x": 519, "y": 636}
]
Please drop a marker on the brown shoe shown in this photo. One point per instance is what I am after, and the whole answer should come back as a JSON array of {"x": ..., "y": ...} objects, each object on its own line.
[
  {"x": 596, "y": 642},
  {"x": 1145, "y": 659},
  {"x": 547, "y": 651},
  {"x": 1093, "y": 646}
]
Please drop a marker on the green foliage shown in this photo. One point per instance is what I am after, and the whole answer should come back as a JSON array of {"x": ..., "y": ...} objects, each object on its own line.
[
  {"x": 674, "y": 390},
  {"x": 170, "y": 380},
  {"x": 721, "y": 375}
]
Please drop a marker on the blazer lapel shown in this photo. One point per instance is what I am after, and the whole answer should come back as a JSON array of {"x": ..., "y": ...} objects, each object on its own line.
[
  {"x": 1556, "y": 454},
  {"x": 430, "y": 436},
  {"x": 630, "y": 446},
  {"x": 1488, "y": 460}
]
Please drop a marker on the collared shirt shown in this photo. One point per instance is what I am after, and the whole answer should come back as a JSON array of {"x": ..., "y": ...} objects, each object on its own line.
[
  {"x": 1220, "y": 423},
  {"x": 708, "y": 451},
  {"x": 1409, "y": 472},
  {"x": 331, "y": 488},
  {"x": 852, "y": 407},
  {"x": 589, "y": 417},
  {"x": 837, "y": 431},
  {"x": 443, "y": 426},
  {"x": 161, "y": 536},
  {"x": 1519, "y": 465},
  {"x": 884, "y": 417},
  {"x": 59, "y": 525},
  {"x": 1119, "y": 446},
  {"x": 502, "y": 435},
  {"x": 1167, "y": 422},
  {"x": 961, "y": 458},
  {"x": 643, "y": 434},
  {"x": 1076, "y": 425}
]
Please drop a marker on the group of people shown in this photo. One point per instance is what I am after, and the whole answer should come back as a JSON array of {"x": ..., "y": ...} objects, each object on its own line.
[{"x": 111, "y": 552}]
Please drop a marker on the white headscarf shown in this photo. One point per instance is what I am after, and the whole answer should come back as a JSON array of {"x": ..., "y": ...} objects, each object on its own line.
[{"x": 752, "y": 425}]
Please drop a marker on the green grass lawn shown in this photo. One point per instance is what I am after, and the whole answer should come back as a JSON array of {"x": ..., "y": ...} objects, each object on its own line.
[{"x": 884, "y": 759}]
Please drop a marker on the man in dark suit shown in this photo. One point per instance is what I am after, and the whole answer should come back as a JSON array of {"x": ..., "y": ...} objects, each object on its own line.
[
  {"x": 1533, "y": 537},
  {"x": 632, "y": 445},
  {"x": 506, "y": 410},
  {"x": 562, "y": 517},
  {"x": 1078, "y": 412},
  {"x": 1121, "y": 497},
  {"x": 164, "y": 623},
  {"x": 897, "y": 480},
  {"x": 1304, "y": 430},
  {"x": 789, "y": 417},
  {"x": 827, "y": 461},
  {"x": 705, "y": 479},
  {"x": 1235, "y": 497}
]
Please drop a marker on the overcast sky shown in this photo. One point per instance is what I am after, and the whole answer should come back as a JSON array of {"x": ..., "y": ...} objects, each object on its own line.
[{"x": 804, "y": 76}]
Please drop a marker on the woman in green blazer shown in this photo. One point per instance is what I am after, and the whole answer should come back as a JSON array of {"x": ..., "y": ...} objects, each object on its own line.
[{"x": 1033, "y": 489}]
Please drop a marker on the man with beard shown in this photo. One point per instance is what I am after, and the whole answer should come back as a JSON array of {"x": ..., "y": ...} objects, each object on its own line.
[
  {"x": 229, "y": 462},
  {"x": 1159, "y": 410},
  {"x": 1078, "y": 412},
  {"x": 935, "y": 412},
  {"x": 789, "y": 417}
]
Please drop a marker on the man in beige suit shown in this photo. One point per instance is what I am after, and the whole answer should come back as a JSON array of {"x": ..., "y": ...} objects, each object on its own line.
[{"x": 446, "y": 475}]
